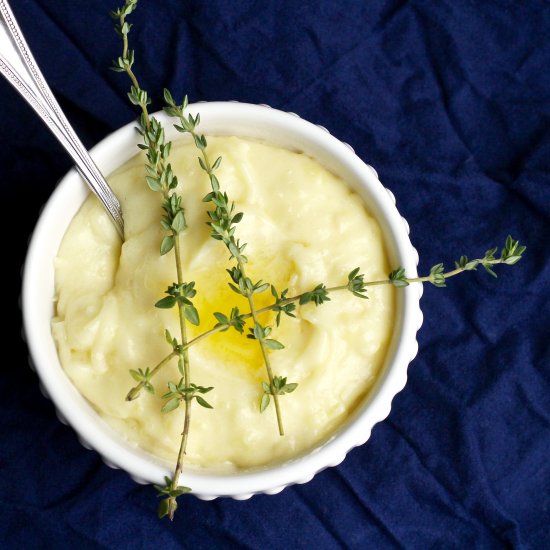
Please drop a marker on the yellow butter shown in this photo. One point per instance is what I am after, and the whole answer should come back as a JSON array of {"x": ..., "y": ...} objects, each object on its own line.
[{"x": 303, "y": 226}]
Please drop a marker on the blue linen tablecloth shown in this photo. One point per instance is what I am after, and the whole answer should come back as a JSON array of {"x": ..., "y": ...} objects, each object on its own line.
[{"x": 449, "y": 100}]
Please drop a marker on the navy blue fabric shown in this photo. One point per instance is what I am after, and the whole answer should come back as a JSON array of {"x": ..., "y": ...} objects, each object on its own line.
[{"x": 449, "y": 100}]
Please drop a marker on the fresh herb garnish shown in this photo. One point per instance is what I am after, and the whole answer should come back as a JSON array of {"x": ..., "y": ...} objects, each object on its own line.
[
  {"x": 160, "y": 178},
  {"x": 510, "y": 254},
  {"x": 223, "y": 220}
]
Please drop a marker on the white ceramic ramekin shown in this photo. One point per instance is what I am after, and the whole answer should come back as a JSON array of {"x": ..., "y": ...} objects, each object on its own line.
[{"x": 223, "y": 118}]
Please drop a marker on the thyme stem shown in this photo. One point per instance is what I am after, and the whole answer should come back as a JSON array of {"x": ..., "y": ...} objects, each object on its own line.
[
  {"x": 249, "y": 296},
  {"x": 254, "y": 315},
  {"x": 128, "y": 67},
  {"x": 222, "y": 223},
  {"x": 507, "y": 258},
  {"x": 161, "y": 178},
  {"x": 184, "y": 355}
]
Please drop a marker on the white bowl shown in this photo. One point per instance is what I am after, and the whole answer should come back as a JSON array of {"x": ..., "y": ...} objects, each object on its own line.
[{"x": 283, "y": 129}]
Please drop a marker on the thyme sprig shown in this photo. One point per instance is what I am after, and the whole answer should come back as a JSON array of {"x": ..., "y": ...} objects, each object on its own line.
[
  {"x": 125, "y": 62},
  {"x": 223, "y": 220},
  {"x": 160, "y": 178},
  {"x": 510, "y": 254}
]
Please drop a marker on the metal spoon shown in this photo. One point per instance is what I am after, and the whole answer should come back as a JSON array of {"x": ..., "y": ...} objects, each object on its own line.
[{"x": 18, "y": 66}]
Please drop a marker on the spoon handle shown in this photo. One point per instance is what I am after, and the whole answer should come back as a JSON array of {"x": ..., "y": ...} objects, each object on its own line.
[{"x": 18, "y": 66}]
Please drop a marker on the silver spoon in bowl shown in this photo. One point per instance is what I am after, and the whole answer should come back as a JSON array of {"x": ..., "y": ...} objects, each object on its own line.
[{"x": 19, "y": 67}]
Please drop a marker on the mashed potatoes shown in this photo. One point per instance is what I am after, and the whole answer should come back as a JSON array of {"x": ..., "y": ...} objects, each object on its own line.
[{"x": 303, "y": 226}]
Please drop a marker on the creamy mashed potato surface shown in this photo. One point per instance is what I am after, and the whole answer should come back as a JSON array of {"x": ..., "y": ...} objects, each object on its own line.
[{"x": 303, "y": 226}]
